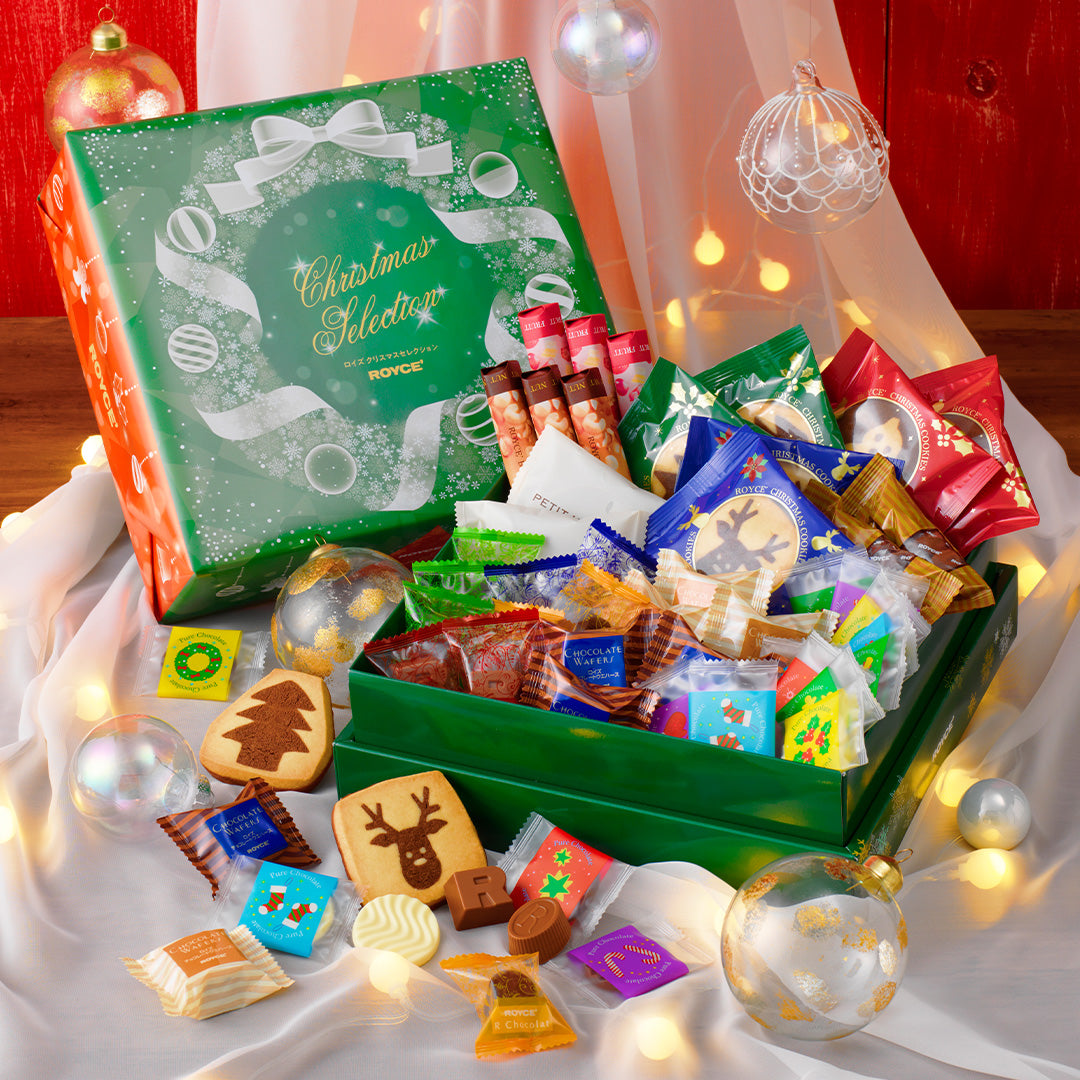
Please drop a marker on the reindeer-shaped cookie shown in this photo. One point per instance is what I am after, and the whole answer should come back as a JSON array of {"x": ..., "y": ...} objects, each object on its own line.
[{"x": 384, "y": 833}]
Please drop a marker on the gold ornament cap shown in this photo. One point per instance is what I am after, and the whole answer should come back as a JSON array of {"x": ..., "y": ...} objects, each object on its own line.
[
  {"x": 108, "y": 36},
  {"x": 323, "y": 549},
  {"x": 886, "y": 874}
]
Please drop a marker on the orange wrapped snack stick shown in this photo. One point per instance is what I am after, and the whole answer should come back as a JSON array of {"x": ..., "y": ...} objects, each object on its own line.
[
  {"x": 593, "y": 416},
  {"x": 505, "y": 990},
  {"x": 509, "y": 413}
]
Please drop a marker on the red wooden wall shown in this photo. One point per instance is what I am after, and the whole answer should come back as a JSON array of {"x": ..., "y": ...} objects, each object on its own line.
[{"x": 978, "y": 100}]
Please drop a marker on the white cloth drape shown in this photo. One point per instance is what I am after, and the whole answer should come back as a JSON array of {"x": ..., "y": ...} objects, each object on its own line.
[{"x": 993, "y": 975}]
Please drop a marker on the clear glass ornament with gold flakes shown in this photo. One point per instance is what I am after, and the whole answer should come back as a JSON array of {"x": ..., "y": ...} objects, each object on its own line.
[
  {"x": 330, "y": 607},
  {"x": 814, "y": 946}
]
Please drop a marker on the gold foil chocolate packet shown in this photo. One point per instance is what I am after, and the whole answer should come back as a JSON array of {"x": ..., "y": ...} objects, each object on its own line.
[{"x": 593, "y": 599}]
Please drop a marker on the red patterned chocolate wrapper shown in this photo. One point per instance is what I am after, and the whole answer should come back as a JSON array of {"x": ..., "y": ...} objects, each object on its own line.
[
  {"x": 419, "y": 656},
  {"x": 631, "y": 361},
  {"x": 494, "y": 650},
  {"x": 510, "y": 414},
  {"x": 587, "y": 337},
  {"x": 880, "y": 411},
  {"x": 971, "y": 397},
  {"x": 594, "y": 420},
  {"x": 544, "y": 334},
  {"x": 544, "y": 397}
]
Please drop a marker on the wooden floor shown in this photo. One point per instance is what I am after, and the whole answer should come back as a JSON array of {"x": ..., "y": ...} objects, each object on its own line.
[{"x": 45, "y": 408}]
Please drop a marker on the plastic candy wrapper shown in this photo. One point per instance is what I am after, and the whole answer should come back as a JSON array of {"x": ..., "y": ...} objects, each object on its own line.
[
  {"x": 594, "y": 599},
  {"x": 593, "y": 416},
  {"x": 561, "y": 478},
  {"x": 509, "y": 414},
  {"x": 970, "y": 396},
  {"x": 587, "y": 337},
  {"x": 516, "y": 1014},
  {"x": 543, "y": 860},
  {"x": 738, "y": 709},
  {"x": 544, "y": 334},
  {"x": 288, "y": 909},
  {"x": 734, "y": 628},
  {"x": 777, "y": 386},
  {"x": 654, "y": 428},
  {"x": 427, "y": 604},
  {"x": 216, "y": 665},
  {"x": 631, "y": 362},
  {"x": 636, "y": 639},
  {"x": 456, "y": 575},
  {"x": 562, "y": 533},
  {"x": 550, "y": 685},
  {"x": 546, "y": 401},
  {"x": 637, "y": 581},
  {"x": 678, "y": 583},
  {"x": 877, "y": 496},
  {"x": 740, "y": 512},
  {"x": 824, "y": 725},
  {"x": 835, "y": 582},
  {"x": 494, "y": 650},
  {"x": 672, "y": 684},
  {"x": 495, "y": 545},
  {"x": 942, "y": 586},
  {"x": 209, "y": 973},
  {"x": 254, "y": 824},
  {"x": 605, "y": 548},
  {"x": 421, "y": 656},
  {"x": 880, "y": 411},
  {"x": 664, "y": 644},
  {"x": 544, "y": 614},
  {"x": 594, "y": 656},
  {"x": 537, "y": 582}
]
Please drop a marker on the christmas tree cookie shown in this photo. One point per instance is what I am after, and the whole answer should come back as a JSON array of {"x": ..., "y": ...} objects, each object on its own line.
[{"x": 282, "y": 729}]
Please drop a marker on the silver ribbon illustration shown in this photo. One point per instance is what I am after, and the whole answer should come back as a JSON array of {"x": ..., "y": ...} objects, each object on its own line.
[
  {"x": 502, "y": 223},
  {"x": 283, "y": 143},
  {"x": 265, "y": 413},
  {"x": 421, "y": 438}
]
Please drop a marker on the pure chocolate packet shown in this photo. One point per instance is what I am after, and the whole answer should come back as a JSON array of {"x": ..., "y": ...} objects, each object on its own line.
[
  {"x": 495, "y": 545},
  {"x": 255, "y": 824},
  {"x": 877, "y": 496},
  {"x": 880, "y": 411},
  {"x": 777, "y": 387},
  {"x": 740, "y": 512},
  {"x": 653, "y": 430},
  {"x": 970, "y": 395},
  {"x": 427, "y": 604}
]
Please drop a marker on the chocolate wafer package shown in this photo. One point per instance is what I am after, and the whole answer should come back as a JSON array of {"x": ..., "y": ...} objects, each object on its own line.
[
  {"x": 970, "y": 396},
  {"x": 654, "y": 428},
  {"x": 881, "y": 411},
  {"x": 255, "y": 824},
  {"x": 594, "y": 656},
  {"x": 777, "y": 387}
]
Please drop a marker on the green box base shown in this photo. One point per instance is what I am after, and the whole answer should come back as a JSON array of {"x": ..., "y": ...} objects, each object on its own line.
[{"x": 645, "y": 798}]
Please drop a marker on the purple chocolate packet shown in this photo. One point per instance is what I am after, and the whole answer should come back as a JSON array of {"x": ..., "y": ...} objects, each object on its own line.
[{"x": 631, "y": 962}]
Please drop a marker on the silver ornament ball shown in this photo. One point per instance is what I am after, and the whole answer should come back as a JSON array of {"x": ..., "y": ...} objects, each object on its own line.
[
  {"x": 605, "y": 46},
  {"x": 994, "y": 813}
]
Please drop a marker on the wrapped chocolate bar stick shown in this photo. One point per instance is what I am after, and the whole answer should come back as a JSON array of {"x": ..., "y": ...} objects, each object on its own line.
[
  {"x": 544, "y": 334},
  {"x": 654, "y": 428},
  {"x": 509, "y": 413},
  {"x": 561, "y": 478},
  {"x": 587, "y": 338},
  {"x": 516, "y": 1015},
  {"x": 594, "y": 420},
  {"x": 971, "y": 397},
  {"x": 544, "y": 396},
  {"x": 631, "y": 363},
  {"x": 740, "y": 512},
  {"x": 777, "y": 386},
  {"x": 878, "y": 497},
  {"x": 881, "y": 411}
]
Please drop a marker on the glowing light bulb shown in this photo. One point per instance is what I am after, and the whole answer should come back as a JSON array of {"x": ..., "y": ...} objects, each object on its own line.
[
  {"x": 91, "y": 703},
  {"x": 709, "y": 249},
  {"x": 954, "y": 782},
  {"x": 986, "y": 868},
  {"x": 351, "y": 80},
  {"x": 8, "y": 824},
  {"x": 774, "y": 276},
  {"x": 389, "y": 973},
  {"x": 1030, "y": 573},
  {"x": 658, "y": 1037},
  {"x": 855, "y": 313},
  {"x": 91, "y": 448},
  {"x": 674, "y": 313}
]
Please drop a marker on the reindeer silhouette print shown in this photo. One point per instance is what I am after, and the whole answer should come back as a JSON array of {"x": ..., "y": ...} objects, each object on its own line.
[
  {"x": 726, "y": 547},
  {"x": 420, "y": 866}
]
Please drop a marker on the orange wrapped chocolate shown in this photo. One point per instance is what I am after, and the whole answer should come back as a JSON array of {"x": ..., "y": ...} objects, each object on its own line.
[
  {"x": 593, "y": 416},
  {"x": 505, "y": 990},
  {"x": 509, "y": 413},
  {"x": 544, "y": 397}
]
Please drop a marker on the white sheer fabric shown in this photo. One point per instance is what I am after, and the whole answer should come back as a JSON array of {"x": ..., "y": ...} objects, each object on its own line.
[{"x": 993, "y": 974}]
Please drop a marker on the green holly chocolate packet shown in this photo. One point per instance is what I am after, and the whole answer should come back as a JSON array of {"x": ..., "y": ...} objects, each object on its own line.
[
  {"x": 457, "y": 575},
  {"x": 427, "y": 604},
  {"x": 654, "y": 429},
  {"x": 777, "y": 386},
  {"x": 496, "y": 546}
]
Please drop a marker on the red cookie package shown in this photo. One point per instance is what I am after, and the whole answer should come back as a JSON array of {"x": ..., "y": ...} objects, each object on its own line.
[
  {"x": 971, "y": 397},
  {"x": 881, "y": 411}
]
